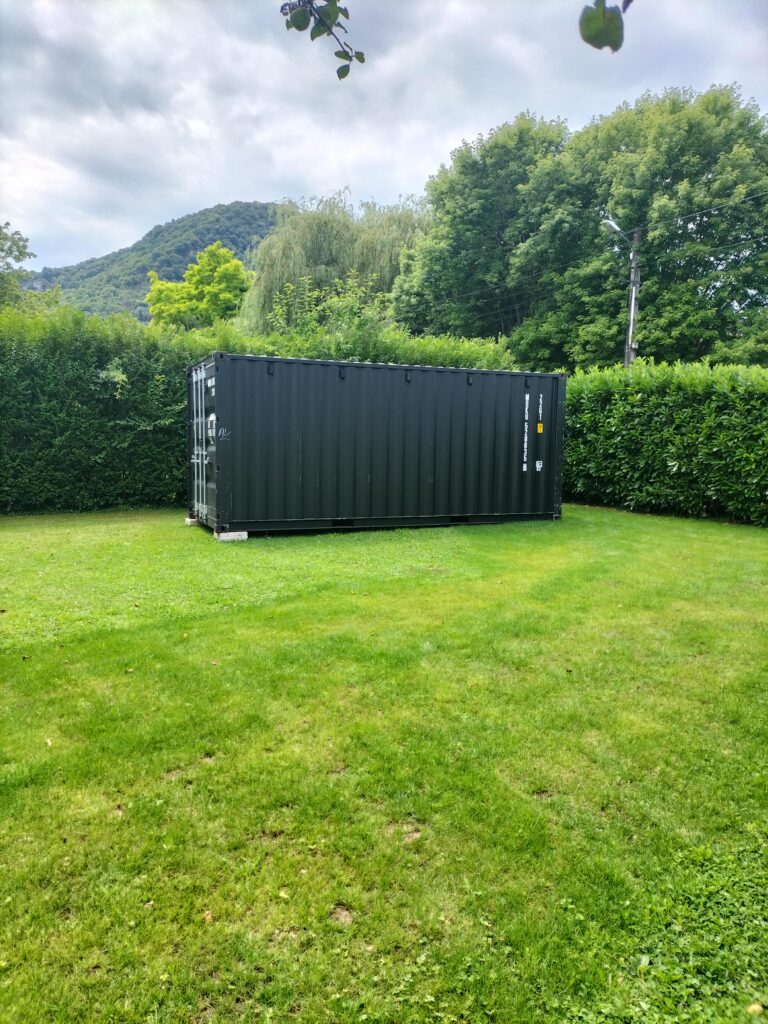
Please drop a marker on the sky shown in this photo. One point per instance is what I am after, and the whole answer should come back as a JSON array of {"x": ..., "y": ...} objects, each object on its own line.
[{"x": 116, "y": 115}]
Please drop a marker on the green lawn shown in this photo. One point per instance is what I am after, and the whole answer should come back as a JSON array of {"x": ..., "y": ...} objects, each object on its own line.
[{"x": 507, "y": 773}]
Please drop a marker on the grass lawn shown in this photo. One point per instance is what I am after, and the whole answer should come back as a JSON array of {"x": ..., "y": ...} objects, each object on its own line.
[{"x": 507, "y": 773}]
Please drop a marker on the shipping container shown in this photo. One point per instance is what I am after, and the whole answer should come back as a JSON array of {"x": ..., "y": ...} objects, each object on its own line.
[{"x": 304, "y": 444}]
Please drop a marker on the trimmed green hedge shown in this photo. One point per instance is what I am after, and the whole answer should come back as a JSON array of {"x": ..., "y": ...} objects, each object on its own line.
[
  {"x": 688, "y": 439},
  {"x": 93, "y": 411},
  {"x": 92, "y": 416}
]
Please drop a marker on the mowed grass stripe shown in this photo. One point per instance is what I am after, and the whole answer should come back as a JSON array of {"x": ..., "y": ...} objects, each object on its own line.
[{"x": 493, "y": 773}]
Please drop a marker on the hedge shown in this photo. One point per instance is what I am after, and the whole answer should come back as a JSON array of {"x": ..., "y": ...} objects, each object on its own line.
[
  {"x": 688, "y": 439},
  {"x": 92, "y": 416},
  {"x": 92, "y": 411}
]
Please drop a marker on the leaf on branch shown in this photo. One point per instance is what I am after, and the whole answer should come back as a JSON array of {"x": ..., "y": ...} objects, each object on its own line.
[
  {"x": 342, "y": 71},
  {"x": 602, "y": 26},
  {"x": 300, "y": 19},
  {"x": 325, "y": 20}
]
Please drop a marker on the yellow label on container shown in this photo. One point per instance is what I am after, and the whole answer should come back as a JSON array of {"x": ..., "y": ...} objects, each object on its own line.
[{"x": 539, "y": 428}]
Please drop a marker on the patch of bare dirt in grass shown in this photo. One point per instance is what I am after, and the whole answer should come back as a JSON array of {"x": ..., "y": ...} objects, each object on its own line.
[
  {"x": 341, "y": 914},
  {"x": 409, "y": 831},
  {"x": 271, "y": 835}
]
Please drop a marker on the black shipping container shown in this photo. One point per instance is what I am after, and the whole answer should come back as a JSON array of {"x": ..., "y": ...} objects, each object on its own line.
[{"x": 304, "y": 444}]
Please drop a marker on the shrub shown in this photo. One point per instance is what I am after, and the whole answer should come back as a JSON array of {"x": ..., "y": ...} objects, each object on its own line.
[
  {"x": 689, "y": 439},
  {"x": 390, "y": 345},
  {"x": 349, "y": 321}
]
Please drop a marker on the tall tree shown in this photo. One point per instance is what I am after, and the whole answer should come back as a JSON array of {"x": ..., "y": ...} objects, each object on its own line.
[
  {"x": 691, "y": 172},
  {"x": 326, "y": 240},
  {"x": 456, "y": 278},
  {"x": 212, "y": 289},
  {"x": 14, "y": 250}
]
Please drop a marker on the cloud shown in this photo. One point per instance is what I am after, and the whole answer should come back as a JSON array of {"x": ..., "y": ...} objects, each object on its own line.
[{"x": 119, "y": 115}]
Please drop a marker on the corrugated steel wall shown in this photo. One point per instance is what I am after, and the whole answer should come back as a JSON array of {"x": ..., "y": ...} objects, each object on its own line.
[{"x": 312, "y": 444}]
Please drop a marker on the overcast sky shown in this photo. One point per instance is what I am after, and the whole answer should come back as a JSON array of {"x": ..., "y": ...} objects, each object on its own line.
[{"x": 116, "y": 115}]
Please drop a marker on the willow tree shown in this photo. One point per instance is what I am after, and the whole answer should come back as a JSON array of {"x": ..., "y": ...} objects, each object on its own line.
[{"x": 324, "y": 241}]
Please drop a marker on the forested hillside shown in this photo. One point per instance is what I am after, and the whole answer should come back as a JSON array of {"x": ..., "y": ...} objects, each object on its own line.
[{"x": 109, "y": 284}]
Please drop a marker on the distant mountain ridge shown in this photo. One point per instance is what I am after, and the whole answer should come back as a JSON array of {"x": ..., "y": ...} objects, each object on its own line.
[{"x": 118, "y": 281}]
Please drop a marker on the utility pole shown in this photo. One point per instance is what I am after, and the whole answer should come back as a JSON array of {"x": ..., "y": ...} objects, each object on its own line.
[{"x": 630, "y": 349}]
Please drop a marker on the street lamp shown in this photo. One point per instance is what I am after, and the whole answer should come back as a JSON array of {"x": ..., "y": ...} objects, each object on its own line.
[{"x": 630, "y": 348}]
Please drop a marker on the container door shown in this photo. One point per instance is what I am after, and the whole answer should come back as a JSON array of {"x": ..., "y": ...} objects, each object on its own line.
[
  {"x": 203, "y": 456},
  {"x": 209, "y": 454},
  {"x": 198, "y": 443}
]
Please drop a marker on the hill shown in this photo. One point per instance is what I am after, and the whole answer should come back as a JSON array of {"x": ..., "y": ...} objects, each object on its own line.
[{"x": 118, "y": 281}]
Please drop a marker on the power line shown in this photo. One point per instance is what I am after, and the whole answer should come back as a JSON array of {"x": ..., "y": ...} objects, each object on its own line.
[
  {"x": 531, "y": 277},
  {"x": 711, "y": 209},
  {"x": 570, "y": 263},
  {"x": 531, "y": 293},
  {"x": 682, "y": 253},
  {"x": 528, "y": 293}
]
